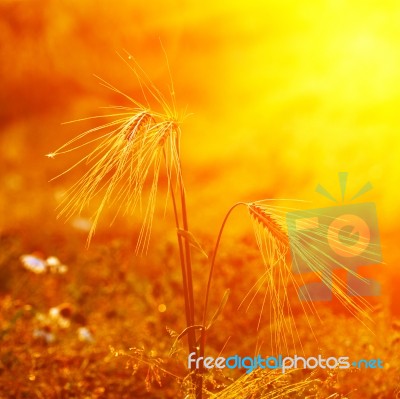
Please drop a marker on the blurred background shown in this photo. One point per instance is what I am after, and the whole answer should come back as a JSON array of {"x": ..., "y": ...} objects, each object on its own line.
[{"x": 281, "y": 96}]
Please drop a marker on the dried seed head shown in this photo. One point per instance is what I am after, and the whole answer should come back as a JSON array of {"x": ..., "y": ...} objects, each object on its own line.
[
  {"x": 166, "y": 130},
  {"x": 125, "y": 165},
  {"x": 268, "y": 222},
  {"x": 139, "y": 124}
]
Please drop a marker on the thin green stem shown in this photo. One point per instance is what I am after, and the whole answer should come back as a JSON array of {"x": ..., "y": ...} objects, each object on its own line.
[
  {"x": 198, "y": 382},
  {"x": 187, "y": 254},
  {"x": 183, "y": 268},
  {"x": 212, "y": 266},
  {"x": 185, "y": 223},
  {"x": 186, "y": 267},
  {"x": 188, "y": 311}
]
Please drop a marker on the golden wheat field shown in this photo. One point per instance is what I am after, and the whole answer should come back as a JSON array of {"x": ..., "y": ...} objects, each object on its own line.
[{"x": 162, "y": 165}]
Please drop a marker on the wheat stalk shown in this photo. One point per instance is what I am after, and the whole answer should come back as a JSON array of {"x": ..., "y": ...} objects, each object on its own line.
[
  {"x": 272, "y": 239},
  {"x": 126, "y": 160},
  {"x": 276, "y": 241},
  {"x": 269, "y": 224},
  {"x": 273, "y": 244}
]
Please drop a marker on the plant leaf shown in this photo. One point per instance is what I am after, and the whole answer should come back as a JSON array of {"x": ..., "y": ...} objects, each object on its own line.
[
  {"x": 187, "y": 235},
  {"x": 220, "y": 308},
  {"x": 182, "y": 334}
]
